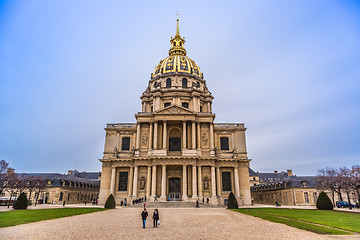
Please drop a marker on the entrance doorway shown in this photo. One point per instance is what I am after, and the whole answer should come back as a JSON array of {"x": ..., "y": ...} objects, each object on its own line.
[{"x": 174, "y": 189}]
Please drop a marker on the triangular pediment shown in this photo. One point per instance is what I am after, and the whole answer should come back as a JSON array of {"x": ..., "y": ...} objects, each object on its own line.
[{"x": 174, "y": 109}]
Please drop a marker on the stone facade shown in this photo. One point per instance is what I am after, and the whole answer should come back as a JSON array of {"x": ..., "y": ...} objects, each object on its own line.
[
  {"x": 175, "y": 151},
  {"x": 74, "y": 187}
]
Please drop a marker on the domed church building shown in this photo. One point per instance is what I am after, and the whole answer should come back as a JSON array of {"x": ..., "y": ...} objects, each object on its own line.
[{"x": 175, "y": 151}]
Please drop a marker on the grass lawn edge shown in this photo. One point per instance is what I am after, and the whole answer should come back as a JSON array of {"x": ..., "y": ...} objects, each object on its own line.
[
  {"x": 17, "y": 217},
  {"x": 308, "y": 226}
]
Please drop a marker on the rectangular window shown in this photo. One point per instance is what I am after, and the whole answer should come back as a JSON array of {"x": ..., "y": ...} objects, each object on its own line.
[
  {"x": 315, "y": 197},
  {"x": 185, "y": 105},
  {"x": 226, "y": 181},
  {"x": 306, "y": 196},
  {"x": 167, "y": 104},
  {"x": 125, "y": 143},
  {"x": 224, "y": 142},
  {"x": 123, "y": 181}
]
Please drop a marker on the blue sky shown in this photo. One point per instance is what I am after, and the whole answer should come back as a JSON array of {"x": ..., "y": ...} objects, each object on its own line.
[{"x": 290, "y": 70}]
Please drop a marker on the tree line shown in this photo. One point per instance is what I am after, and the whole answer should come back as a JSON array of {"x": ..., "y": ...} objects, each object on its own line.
[
  {"x": 15, "y": 184},
  {"x": 341, "y": 181}
]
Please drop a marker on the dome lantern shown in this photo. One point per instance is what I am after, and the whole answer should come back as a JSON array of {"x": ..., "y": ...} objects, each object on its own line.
[{"x": 177, "y": 43}]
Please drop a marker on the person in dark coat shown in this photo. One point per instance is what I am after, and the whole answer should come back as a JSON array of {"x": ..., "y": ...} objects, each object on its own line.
[
  {"x": 155, "y": 218},
  {"x": 197, "y": 203},
  {"x": 144, "y": 215}
]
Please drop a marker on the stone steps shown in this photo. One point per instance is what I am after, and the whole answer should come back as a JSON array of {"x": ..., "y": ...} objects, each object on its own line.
[{"x": 171, "y": 204}]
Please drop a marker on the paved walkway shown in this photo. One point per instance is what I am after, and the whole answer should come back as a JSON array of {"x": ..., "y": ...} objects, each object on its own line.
[{"x": 125, "y": 223}]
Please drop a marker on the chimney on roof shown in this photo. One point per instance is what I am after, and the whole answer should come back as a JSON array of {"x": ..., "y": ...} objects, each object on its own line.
[
  {"x": 289, "y": 172},
  {"x": 275, "y": 171}
]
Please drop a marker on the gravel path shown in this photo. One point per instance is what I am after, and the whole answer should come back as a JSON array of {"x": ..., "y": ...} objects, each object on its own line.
[{"x": 125, "y": 223}]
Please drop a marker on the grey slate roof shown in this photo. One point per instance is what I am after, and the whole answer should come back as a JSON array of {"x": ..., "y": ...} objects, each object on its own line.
[
  {"x": 272, "y": 177},
  {"x": 57, "y": 178},
  {"x": 290, "y": 182},
  {"x": 252, "y": 173}
]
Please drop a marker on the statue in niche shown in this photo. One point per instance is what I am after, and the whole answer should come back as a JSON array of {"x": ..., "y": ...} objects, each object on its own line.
[
  {"x": 142, "y": 183},
  {"x": 116, "y": 152},
  {"x": 206, "y": 184},
  {"x": 205, "y": 139},
  {"x": 144, "y": 139}
]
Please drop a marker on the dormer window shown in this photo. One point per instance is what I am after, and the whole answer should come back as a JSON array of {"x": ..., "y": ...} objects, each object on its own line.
[
  {"x": 168, "y": 83},
  {"x": 185, "y": 105},
  {"x": 184, "y": 83}
]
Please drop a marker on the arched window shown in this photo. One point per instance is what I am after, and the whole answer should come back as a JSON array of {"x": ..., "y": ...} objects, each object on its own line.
[
  {"x": 197, "y": 84},
  {"x": 184, "y": 83},
  {"x": 168, "y": 83},
  {"x": 155, "y": 85}
]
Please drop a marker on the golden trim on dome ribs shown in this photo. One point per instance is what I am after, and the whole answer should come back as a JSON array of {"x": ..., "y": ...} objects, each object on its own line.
[{"x": 177, "y": 61}]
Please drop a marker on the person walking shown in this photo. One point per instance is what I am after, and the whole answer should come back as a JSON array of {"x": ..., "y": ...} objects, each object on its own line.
[
  {"x": 144, "y": 215},
  {"x": 155, "y": 218},
  {"x": 197, "y": 203}
]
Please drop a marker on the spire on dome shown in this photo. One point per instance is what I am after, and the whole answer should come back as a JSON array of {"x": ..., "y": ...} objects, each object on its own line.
[{"x": 177, "y": 43}]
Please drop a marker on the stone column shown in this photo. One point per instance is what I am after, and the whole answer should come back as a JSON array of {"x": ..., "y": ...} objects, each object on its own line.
[
  {"x": 213, "y": 183},
  {"x": 131, "y": 180},
  {"x": 184, "y": 196},
  {"x": 148, "y": 182},
  {"x": 198, "y": 136},
  {"x": 153, "y": 182},
  {"x": 218, "y": 187},
  {"x": 164, "y": 135},
  {"x": 211, "y": 136},
  {"x": 184, "y": 134},
  {"x": 163, "y": 182},
  {"x": 193, "y": 136},
  {"x": 194, "y": 182},
  {"x": 155, "y": 134},
  {"x": 199, "y": 182},
  {"x": 136, "y": 169},
  {"x": 112, "y": 183},
  {"x": 208, "y": 106},
  {"x": 150, "y": 135},
  {"x": 236, "y": 179},
  {"x": 244, "y": 183},
  {"x": 137, "y": 146},
  {"x": 117, "y": 139}
]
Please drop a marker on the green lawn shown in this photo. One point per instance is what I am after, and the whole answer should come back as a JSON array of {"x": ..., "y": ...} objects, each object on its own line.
[
  {"x": 339, "y": 220},
  {"x": 16, "y": 217}
]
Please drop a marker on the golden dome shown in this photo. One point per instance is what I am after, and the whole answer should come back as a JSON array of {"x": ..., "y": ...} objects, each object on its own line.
[{"x": 177, "y": 61}]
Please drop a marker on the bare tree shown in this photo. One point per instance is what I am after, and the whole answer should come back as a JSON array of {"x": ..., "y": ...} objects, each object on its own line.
[
  {"x": 327, "y": 179},
  {"x": 355, "y": 179},
  {"x": 3, "y": 170},
  {"x": 39, "y": 185},
  {"x": 345, "y": 181},
  {"x": 11, "y": 183}
]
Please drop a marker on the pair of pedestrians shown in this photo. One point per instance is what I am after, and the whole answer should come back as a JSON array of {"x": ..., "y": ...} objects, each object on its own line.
[{"x": 156, "y": 219}]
